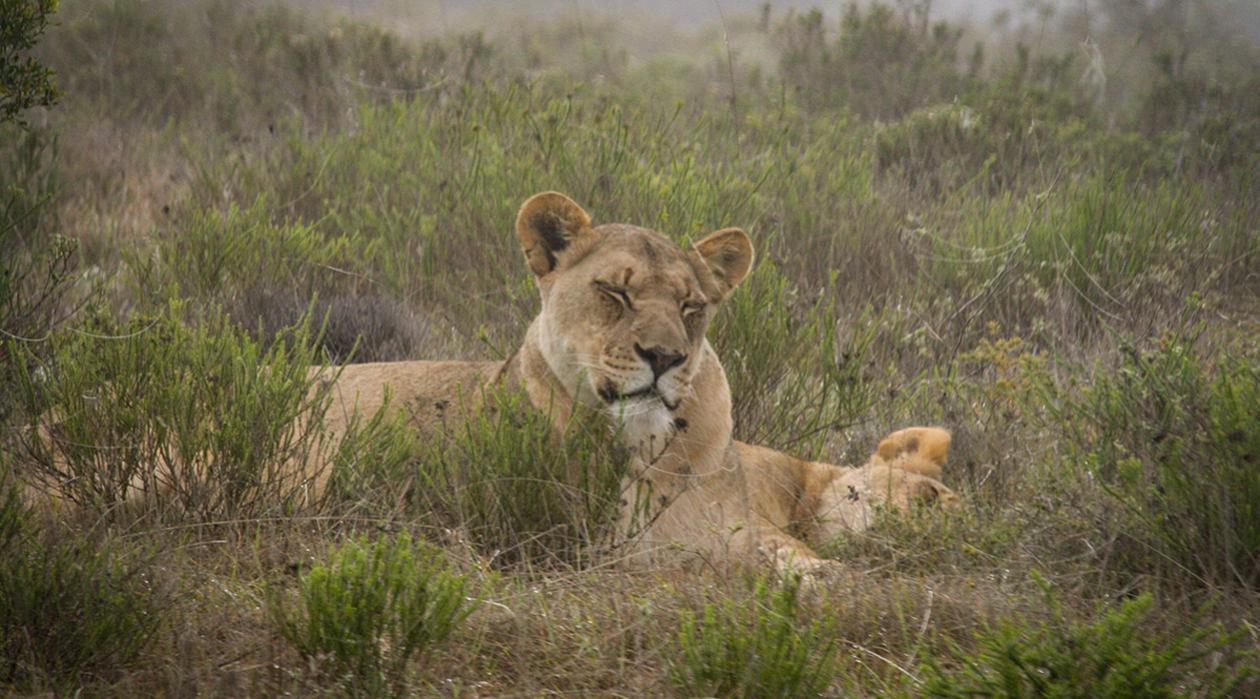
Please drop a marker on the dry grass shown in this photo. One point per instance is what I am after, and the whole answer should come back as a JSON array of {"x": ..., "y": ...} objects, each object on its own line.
[{"x": 1000, "y": 255}]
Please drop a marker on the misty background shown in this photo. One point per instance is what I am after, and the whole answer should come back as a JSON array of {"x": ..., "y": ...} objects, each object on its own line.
[
  {"x": 1036, "y": 224},
  {"x": 1114, "y": 41},
  {"x": 1240, "y": 17}
]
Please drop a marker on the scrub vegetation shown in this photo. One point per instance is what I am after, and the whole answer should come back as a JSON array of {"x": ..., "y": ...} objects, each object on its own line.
[{"x": 1041, "y": 233}]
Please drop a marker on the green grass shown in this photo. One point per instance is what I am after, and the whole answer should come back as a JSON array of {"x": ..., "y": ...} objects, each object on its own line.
[
  {"x": 796, "y": 377},
  {"x": 514, "y": 492},
  {"x": 1174, "y": 440},
  {"x": 193, "y": 420},
  {"x": 1111, "y": 656},
  {"x": 755, "y": 647},
  {"x": 75, "y": 608},
  {"x": 1061, "y": 275},
  {"x": 373, "y": 609}
]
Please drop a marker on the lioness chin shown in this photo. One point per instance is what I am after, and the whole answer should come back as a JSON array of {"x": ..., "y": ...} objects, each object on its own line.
[{"x": 622, "y": 329}]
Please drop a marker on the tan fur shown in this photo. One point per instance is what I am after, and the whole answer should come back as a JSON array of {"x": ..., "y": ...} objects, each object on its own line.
[
  {"x": 819, "y": 501},
  {"x": 922, "y": 450}
]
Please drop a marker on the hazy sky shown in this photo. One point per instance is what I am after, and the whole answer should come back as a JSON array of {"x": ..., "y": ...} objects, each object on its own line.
[
  {"x": 428, "y": 17},
  {"x": 701, "y": 10}
]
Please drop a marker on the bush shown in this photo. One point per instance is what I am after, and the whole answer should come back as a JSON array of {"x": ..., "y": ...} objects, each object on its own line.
[
  {"x": 356, "y": 328},
  {"x": 73, "y": 609},
  {"x": 1092, "y": 250},
  {"x": 24, "y": 81},
  {"x": 519, "y": 492},
  {"x": 228, "y": 257},
  {"x": 1176, "y": 441},
  {"x": 372, "y": 608},
  {"x": 1003, "y": 134},
  {"x": 35, "y": 272},
  {"x": 754, "y": 648},
  {"x": 199, "y": 418},
  {"x": 1209, "y": 124},
  {"x": 1115, "y": 656},
  {"x": 217, "y": 63},
  {"x": 794, "y": 377},
  {"x": 881, "y": 65}
]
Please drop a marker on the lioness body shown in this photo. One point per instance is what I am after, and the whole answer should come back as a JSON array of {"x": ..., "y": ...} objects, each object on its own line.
[
  {"x": 781, "y": 497},
  {"x": 430, "y": 393},
  {"x": 621, "y": 329},
  {"x": 819, "y": 501},
  {"x": 699, "y": 502}
]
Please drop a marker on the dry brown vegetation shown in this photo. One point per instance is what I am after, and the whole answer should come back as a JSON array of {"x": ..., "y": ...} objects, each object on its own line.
[{"x": 1049, "y": 247}]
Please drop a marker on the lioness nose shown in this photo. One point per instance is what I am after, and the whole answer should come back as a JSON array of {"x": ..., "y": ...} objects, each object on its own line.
[{"x": 660, "y": 359}]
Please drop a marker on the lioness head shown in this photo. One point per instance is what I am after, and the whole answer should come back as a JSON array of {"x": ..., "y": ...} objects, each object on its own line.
[
  {"x": 901, "y": 473},
  {"x": 624, "y": 309}
]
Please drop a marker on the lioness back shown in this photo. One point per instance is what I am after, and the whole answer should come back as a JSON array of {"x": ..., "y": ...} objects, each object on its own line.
[{"x": 429, "y": 393}]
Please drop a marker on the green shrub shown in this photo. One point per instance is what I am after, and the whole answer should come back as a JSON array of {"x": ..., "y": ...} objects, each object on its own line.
[
  {"x": 795, "y": 378},
  {"x": 1000, "y": 137},
  {"x": 24, "y": 81},
  {"x": 219, "y": 257},
  {"x": 372, "y": 461},
  {"x": 937, "y": 147},
  {"x": 1116, "y": 655},
  {"x": 1176, "y": 441},
  {"x": 1091, "y": 251},
  {"x": 881, "y": 65},
  {"x": 1208, "y": 123},
  {"x": 758, "y": 647},
  {"x": 74, "y": 609},
  {"x": 199, "y": 418},
  {"x": 216, "y": 63},
  {"x": 36, "y": 269},
  {"x": 517, "y": 491},
  {"x": 373, "y": 608}
]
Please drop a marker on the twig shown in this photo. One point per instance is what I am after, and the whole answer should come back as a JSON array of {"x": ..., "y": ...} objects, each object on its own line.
[
  {"x": 730, "y": 65},
  {"x": 873, "y": 654},
  {"x": 927, "y": 618}
]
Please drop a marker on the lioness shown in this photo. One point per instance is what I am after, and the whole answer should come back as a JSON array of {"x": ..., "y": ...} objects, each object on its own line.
[
  {"x": 622, "y": 329},
  {"x": 819, "y": 501}
]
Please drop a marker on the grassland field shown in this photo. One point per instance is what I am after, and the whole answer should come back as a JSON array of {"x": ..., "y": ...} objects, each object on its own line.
[{"x": 1041, "y": 233}]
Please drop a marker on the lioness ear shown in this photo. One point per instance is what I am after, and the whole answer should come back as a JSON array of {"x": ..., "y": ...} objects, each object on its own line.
[
  {"x": 930, "y": 444},
  {"x": 727, "y": 253},
  {"x": 547, "y": 224}
]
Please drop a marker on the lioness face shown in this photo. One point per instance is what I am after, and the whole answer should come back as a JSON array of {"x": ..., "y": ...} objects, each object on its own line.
[
  {"x": 624, "y": 309},
  {"x": 850, "y": 499}
]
